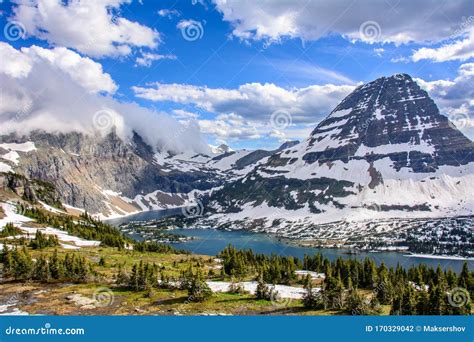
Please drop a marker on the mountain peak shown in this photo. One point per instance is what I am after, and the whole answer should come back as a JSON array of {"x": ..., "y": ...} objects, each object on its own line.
[
  {"x": 389, "y": 117},
  {"x": 222, "y": 148},
  {"x": 288, "y": 144}
]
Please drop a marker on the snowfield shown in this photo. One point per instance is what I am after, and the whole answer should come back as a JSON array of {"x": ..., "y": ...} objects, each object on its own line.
[
  {"x": 251, "y": 286},
  {"x": 66, "y": 240}
]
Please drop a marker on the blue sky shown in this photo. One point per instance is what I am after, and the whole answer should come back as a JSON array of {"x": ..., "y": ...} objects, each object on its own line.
[{"x": 247, "y": 65}]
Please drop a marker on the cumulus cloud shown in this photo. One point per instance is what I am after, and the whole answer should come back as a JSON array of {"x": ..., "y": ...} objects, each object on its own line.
[
  {"x": 56, "y": 90},
  {"x": 168, "y": 13},
  {"x": 94, "y": 28},
  {"x": 461, "y": 50},
  {"x": 82, "y": 70},
  {"x": 14, "y": 63},
  {"x": 455, "y": 97},
  {"x": 230, "y": 126},
  {"x": 417, "y": 20},
  {"x": 147, "y": 58},
  {"x": 253, "y": 101},
  {"x": 246, "y": 113}
]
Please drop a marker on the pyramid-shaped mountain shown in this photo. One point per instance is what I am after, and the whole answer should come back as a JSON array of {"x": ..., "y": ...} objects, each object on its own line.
[
  {"x": 390, "y": 116},
  {"x": 384, "y": 151}
]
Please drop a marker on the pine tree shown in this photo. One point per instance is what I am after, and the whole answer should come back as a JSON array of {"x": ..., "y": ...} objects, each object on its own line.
[
  {"x": 133, "y": 280},
  {"x": 23, "y": 264},
  {"x": 422, "y": 302},
  {"x": 311, "y": 299},
  {"x": 355, "y": 304},
  {"x": 56, "y": 267},
  {"x": 198, "y": 290},
  {"x": 408, "y": 306},
  {"x": 396, "y": 308},
  {"x": 263, "y": 291},
  {"x": 436, "y": 300},
  {"x": 384, "y": 288},
  {"x": 8, "y": 262},
  {"x": 121, "y": 279},
  {"x": 41, "y": 270},
  {"x": 466, "y": 280}
]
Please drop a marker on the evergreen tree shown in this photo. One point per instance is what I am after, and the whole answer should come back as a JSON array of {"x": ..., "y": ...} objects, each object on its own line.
[
  {"x": 436, "y": 300},
  {"x": 408, "y": 306},
  {"x": 23, "y": 264},
  {"x": 311, "y": 299},
  {"x": 423, "y": 303},
  {"x": 333, "y": 293},
  {"x": 41, "y": 270},
  {"x": 355, "y": 304},
  {"x": 263, "y": 290},
  {"x": 122, "y": 279},
  {"x": 198, "y": 290},
  {"x": 56, "y": 267}
]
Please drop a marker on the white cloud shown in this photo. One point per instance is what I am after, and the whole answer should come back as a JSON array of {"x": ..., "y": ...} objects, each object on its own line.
[
  {"x": 399, "y": 59},
  {"x": 253, "y": 101},
  {"x": 94, "y": 28},
  {"x": 82, "y": 70},
  {"x": 379, "y": 52},
  {"x": 230, "y": 127},
  {"x": 184, "y": 114},
  {"x": 245, "y": 113},
  {"x": 57, "y": 93},
  {"x": 168, "y": 13},
  {"x": 399, "y": 22},
  {"x": 455, "y": 98},
  {"x": 147, "y": 58},
  {"x": 461, "y": 50},
  {"x": 14, "y": 63}
]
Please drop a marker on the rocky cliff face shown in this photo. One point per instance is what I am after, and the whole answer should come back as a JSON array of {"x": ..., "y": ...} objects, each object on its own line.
[
  {"x": 99, "y": 173},
  {"x": 109, "y": 176},
  {"x": 32, "y": 190}
]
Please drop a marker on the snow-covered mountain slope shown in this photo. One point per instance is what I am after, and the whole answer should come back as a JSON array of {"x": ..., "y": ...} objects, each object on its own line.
[
  {"x": 111, "y": 177},
  {"x": 222, "y": 148},
  {"x": 385, "y": 151}
]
